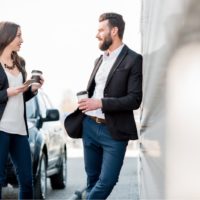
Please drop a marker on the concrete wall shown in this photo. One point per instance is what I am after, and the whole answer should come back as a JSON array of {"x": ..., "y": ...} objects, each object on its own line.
[{"x": 170, "y": 126}]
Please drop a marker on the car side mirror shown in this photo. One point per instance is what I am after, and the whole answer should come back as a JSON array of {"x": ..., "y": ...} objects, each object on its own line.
[{"x": 52, "y": 115}]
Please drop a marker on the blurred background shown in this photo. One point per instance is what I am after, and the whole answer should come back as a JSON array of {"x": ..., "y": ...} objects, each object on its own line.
[
  {"x": 60, "y": 39},
  {"x": 169, "y": 134}
]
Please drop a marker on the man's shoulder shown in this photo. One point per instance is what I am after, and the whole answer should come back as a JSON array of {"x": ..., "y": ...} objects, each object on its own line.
[{"x": 131, "y": 53}]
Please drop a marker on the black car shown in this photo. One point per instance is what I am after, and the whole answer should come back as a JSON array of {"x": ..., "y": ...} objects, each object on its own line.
[{"x": 48, "y": 146}]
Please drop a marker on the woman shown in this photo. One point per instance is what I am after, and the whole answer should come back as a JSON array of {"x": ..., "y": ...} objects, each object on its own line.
[{"x": 13, "y": 95}]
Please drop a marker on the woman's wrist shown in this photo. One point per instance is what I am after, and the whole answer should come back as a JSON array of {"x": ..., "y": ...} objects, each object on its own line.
[{"x": 34, "y": 91}]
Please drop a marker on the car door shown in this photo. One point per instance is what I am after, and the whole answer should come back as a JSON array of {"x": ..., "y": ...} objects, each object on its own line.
[
  {"x": 52, "y": 131},
  {"x": 32, "y": 117}
]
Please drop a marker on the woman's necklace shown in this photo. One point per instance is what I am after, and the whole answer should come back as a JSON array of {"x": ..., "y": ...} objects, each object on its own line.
[{"x": 10, "y": 67}]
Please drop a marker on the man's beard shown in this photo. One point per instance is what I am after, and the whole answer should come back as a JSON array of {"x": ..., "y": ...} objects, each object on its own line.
[{"x": 106, "y": 44}]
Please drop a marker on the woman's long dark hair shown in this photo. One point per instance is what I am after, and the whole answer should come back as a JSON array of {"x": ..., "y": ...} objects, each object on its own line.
[{"x": 8, "y": 32}]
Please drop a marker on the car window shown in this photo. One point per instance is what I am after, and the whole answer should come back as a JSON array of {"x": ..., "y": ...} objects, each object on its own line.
[
  {"x": 44, "y": 103},
  {"x": 31, "y": 108},
  {"x": 47, "y": 101},
  {"x": 41, "y": 105}
]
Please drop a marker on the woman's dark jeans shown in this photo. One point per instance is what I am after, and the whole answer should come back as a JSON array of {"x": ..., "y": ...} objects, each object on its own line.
[{"x": 19, "y": 149}]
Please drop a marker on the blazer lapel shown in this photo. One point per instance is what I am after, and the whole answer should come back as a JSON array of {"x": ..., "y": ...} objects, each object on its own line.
[
  {"x": 116, "y": 64},
  {"x": 3, "y": 75},
  {"x": 1, "y": 70},
  {"x": 97, "y": 65}
]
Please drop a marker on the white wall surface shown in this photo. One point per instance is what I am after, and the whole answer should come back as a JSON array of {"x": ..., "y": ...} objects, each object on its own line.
[{"x": 169, "y": 136}]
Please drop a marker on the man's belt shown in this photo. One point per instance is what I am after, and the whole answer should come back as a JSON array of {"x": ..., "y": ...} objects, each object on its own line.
[{"x": 98, "y": 120}]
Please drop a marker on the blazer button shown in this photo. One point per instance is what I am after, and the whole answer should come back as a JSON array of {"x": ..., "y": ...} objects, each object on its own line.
[{"x": 105, "y": 95}]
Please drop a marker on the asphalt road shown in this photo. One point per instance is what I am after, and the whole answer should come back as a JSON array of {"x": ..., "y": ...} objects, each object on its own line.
[{"x": 126, "y": 188}]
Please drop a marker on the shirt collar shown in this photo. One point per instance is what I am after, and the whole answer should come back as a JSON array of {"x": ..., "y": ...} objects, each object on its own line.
[{"x": 114, "y": 53}]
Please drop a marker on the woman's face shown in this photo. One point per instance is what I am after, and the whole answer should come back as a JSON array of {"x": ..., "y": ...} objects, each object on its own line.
[{"x": 16, "y": 43}]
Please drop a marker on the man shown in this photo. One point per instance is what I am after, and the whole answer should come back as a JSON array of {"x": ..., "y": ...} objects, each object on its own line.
[{"x": 115, "y": 90}]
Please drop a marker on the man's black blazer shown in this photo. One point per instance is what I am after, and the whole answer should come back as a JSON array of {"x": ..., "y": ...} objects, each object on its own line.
[{"x": 122, "y": 95}]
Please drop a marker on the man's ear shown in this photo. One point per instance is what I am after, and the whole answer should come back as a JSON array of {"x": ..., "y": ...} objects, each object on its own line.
[{"x": 114, "y": 31}]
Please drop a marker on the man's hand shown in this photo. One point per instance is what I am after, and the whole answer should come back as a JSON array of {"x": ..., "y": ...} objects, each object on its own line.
[{"x": 89, "y": 104}]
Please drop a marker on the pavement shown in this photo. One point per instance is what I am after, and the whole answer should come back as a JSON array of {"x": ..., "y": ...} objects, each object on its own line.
[{"x": 126, "y": 188}]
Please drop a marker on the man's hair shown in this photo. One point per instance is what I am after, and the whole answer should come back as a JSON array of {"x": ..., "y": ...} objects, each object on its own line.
[{"x": 114, "y": 20}]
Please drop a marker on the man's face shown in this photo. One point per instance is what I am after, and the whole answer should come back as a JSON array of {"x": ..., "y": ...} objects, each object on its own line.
[{"x": 104, "y": 35}]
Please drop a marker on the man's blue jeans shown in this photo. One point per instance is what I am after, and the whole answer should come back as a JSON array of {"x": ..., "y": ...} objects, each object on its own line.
[
  {"x": 103, "y": 158},
  {"x": 19, "y": 149}
]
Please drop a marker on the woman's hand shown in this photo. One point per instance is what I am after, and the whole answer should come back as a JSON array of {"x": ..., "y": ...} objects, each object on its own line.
[
  {"x": 35, "y": 87},
  {"x": 13, "y": 91}
]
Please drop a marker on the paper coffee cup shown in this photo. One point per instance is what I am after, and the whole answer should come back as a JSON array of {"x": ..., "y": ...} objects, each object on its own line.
[
  {"x": 82, "y": 95},
  {"x": 35, "y": 74}
]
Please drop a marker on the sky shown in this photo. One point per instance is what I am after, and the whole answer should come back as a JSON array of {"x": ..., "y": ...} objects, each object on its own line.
[{"x": 60, "y": 38}]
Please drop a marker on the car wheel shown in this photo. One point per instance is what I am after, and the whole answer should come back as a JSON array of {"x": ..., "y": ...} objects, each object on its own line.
[
  {"x": 58, "y": 181},
  {"x": 40, "y": 189}
]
